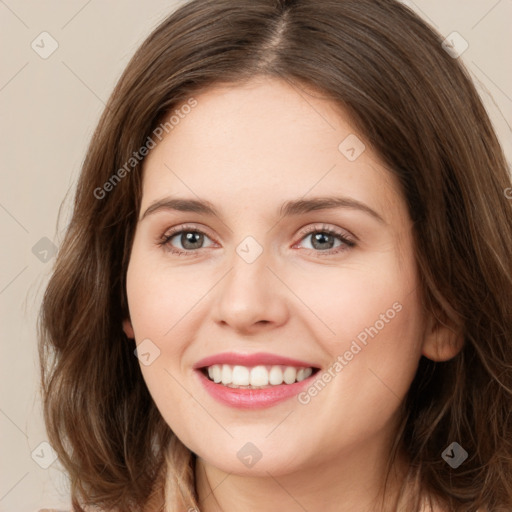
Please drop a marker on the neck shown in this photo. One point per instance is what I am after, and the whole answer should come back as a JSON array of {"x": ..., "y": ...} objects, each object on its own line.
[{"x": 351, "y": 481}]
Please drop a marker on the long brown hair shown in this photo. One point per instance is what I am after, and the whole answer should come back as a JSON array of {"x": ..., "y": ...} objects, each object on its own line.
[{"x": 418, "y": 110}]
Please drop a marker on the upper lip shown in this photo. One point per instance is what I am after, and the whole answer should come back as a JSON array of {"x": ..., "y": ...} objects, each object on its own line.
[{"x": 259, "y": 358}]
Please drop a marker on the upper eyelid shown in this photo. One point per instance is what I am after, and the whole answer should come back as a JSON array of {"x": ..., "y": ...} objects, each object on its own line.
[
  {"x": 319, "y": 227},
  {"x": 186, "y": 227}
]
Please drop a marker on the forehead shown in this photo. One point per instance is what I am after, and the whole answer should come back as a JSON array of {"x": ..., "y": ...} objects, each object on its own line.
[{"x": 262, "y": 142}]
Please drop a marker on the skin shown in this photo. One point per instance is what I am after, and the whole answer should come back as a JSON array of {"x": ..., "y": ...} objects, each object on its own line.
[{"x": 248, "y": 148}]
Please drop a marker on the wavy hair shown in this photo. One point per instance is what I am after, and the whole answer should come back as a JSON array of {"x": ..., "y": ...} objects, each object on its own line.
[{"x": 419, "y": 111}]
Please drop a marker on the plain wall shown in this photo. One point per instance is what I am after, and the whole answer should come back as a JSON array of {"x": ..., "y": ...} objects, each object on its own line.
[{"x": 49, "y": 109}]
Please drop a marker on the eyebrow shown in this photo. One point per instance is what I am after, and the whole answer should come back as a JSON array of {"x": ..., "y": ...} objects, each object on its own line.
[{"x": 288, "y": 209}]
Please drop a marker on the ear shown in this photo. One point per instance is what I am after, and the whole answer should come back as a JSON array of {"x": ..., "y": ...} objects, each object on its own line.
[
  {"x": 128, "y": 328},
  {"x": 442, "y": 341}
]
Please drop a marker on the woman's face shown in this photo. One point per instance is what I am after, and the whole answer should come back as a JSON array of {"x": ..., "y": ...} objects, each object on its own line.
[{"x": 306, "y": 266}]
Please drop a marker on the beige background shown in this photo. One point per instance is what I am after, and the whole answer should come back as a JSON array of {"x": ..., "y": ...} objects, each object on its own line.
[{"x": 49, "y": 109}]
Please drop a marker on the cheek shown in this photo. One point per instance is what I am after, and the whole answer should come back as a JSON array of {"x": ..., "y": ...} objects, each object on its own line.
[
  {"x": 373, "y": 362},
  {"x": 376, "y": 298},
  {"x": 160, "y": 305},
  {"x": 374, "y": 315},
  {"x": 159, "y": 297},
  {"x": 376, "y": 351},
  {"x": 384, "y": 352}
]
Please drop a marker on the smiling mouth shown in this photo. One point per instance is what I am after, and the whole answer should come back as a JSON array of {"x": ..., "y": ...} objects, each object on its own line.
[{"x": 256, "y": 377}]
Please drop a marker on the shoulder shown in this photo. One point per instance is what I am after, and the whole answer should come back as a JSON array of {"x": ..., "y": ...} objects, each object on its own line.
[
  {"x": 440, "y": 508},
  {"x": 87, "y": 509},
  {"x": 62, "y": 510},
  {"x": 432, "y": 505}
]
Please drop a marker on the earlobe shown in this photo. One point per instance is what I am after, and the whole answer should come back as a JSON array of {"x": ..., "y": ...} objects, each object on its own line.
[
  {"x": 441, "y": 342},
  {"x": 128, "y": 328}
]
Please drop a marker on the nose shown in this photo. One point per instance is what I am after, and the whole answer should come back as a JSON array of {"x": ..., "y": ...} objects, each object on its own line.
[{"x": 251, "y": 298}]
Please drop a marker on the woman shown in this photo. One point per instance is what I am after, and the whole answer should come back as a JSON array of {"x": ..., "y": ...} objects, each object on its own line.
[{"x": 294, "y": 214}]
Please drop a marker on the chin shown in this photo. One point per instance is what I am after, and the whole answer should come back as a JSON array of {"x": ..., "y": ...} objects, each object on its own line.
[{"x": 248, "y": 459}]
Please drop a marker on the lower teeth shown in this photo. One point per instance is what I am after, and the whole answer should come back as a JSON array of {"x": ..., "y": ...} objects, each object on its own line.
[{"x": 247, "y": 387}]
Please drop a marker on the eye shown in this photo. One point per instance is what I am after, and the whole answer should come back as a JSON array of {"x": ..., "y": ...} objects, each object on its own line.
[
  {"x": 189, "y": 240},
  {"x": 323, "y": 239}
]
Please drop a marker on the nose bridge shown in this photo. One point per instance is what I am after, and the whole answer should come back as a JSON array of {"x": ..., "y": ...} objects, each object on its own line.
[
  {"x": 249, "y": 292},
  {"x": 249, "y": 274}
]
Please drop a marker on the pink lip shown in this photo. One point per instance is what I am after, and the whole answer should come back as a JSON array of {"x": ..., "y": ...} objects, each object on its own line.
[
  {"x": 251, "y": 398},
  {"x": 260, "y": 358}
]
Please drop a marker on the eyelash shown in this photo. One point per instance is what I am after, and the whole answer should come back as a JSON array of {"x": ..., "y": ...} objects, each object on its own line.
[{"x": 344, "y": 238}]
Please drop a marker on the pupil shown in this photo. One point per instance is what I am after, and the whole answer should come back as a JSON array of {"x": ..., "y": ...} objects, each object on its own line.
[
  {"x": 193, "y": 238},
  {"x": 322, "y": 239}
]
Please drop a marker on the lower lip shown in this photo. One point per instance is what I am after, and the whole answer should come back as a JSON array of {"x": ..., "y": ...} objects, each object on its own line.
[{"x": 253, "y": 398}]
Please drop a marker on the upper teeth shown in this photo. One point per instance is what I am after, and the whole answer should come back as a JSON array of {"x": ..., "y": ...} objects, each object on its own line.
[{"x": 234, "y": 376}]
